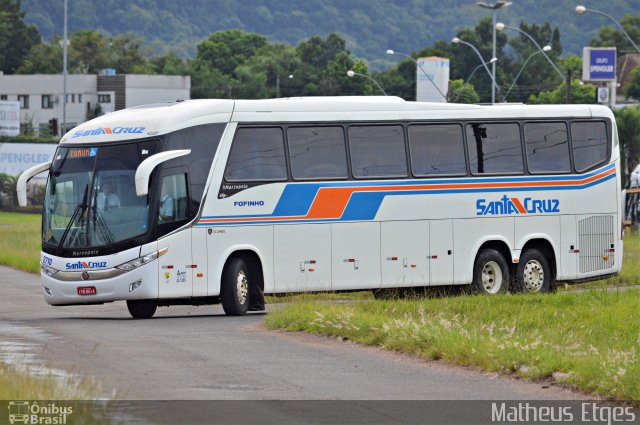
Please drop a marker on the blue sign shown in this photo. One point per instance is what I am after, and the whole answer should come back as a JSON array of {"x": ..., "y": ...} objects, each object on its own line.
[{"x": 602, "y": 64}]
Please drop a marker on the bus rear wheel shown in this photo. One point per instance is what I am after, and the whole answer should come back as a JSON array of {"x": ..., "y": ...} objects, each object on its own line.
[
  {"x": 533, "y": 273},
  {"x": 142, "y": 309},
  {"x": 490, "y": 272},
  {"x": 234, "y": 291}
]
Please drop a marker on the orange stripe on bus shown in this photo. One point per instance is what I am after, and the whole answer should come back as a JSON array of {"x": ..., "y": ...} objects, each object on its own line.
[{"x": 330, "y": 202}]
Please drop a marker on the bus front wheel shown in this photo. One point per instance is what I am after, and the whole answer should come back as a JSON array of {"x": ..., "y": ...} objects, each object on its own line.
[
  {"x": 236, "y": 279},
  {"x": 533, "y": 273},
  {"x": 142, "y": 309},
  {"x": 490, "y": 272}
]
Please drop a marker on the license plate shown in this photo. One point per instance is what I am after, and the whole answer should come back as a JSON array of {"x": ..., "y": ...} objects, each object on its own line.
[{"x": 87, "y": 290}]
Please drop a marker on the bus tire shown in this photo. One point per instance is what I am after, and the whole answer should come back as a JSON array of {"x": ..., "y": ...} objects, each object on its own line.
[
  {"x": 142, "y": 309},
  {"x": 236, "y": 279},
  {"x": 490, "y": 272},
  {"x": 533, "y": 273}
]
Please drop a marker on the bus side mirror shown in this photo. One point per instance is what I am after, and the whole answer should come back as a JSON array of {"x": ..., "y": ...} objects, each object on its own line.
[
  {"x": 21, "y": 185},
  {"x": 147, "y": 166}
]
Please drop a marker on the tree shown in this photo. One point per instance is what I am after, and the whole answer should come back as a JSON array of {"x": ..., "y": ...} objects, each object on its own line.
[
  {"x": 317, "y": 52},
  {"x": 8, "y": 189},
  {"x": 44, "y": 58},
  {"x": 579, "y": 94},
  {"x": 213, "y": 69},
  {"x": 610, "y": 36},
  {"x": 461, "y": 92},
  {"x": 169, "y": 64},
  {"x": 270, "y": 67},
  {"x": 89, "y": 52},
  {"x": 537, "y": 74},
  {"x": 128, "y": 55},
  {"x": 633, "y": 89},
  {"x": 628, "y": 121},
  {"x": 226, "y": 50},
  {"x": 17, "y": 38}
]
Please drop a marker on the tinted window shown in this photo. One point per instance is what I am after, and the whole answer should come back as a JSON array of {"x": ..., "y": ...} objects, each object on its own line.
[
  {"x": 494, "y": 148},
  {"x": 317, "y": 152},
  {"x": 377, "y": 151},
  {"x": 173, "y": 199},
  {"x": 257, "y": 154},
  {"x": 203, "y": 142},
  {"x": 436, "y": 149},
  {"x": 589, "y": 141},
  {"x": 547, "y": 147}
]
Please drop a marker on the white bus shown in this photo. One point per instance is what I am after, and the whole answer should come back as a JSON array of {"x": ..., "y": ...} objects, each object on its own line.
[{"x": 208, "y": 201}]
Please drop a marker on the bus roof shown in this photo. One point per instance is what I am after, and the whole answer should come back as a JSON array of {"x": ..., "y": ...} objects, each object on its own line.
[{"x": 162, "y": 118}]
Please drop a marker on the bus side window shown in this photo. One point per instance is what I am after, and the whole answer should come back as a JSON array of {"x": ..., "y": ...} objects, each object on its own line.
[
  {"x": 317, "y": 153},
  {"x": 547, "y": 145},
  {"x": 377, "y": 151},
  {"x": 437, "y": 149},
  {"x": 257, "y": 154},
  {"x": 494, "y": 148},
  {"x": 173, "y": 199},
  {"x": 590, "y": 145}
]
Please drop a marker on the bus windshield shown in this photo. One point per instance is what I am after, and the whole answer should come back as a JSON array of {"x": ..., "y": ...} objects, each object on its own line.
[{"x": 90, "y": 199}]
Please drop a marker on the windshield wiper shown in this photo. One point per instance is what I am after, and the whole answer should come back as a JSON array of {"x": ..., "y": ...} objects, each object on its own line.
[
  {"x": 79, "y": 210},
  {"x": 102, "y": 225}
]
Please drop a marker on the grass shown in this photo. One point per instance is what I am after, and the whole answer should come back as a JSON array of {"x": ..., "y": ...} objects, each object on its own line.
[
  {"x": 587, "y": 340},
  {"x": 20, "y": 241},
  {"x": 19, "y": 385}
]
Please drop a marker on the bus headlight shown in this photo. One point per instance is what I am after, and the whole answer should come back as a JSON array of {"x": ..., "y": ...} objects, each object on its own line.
[
  {"x": 49, "y": 271},
  {"x": 134, "y": 264}
]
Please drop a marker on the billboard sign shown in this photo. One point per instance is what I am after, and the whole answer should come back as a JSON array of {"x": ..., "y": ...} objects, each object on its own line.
[
  {"x": 18, "y": 157},
  {"x": 9, "y": 118},
  {"x": 599, "y": 64},
  {"x": 431, "y": 72}
]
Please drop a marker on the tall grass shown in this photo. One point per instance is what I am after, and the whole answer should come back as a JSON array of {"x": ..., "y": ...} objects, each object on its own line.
[
  {"x": 588, "y": 340},
  {"x": 20, "y": 241}
]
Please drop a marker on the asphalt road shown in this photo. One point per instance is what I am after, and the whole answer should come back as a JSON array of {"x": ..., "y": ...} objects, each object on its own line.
[{"x": 197, "y": 353}]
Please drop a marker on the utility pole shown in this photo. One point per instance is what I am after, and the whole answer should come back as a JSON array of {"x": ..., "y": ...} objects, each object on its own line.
[
  {"x": 64, "y": 72},
  {"x": 567, "y": 94}
]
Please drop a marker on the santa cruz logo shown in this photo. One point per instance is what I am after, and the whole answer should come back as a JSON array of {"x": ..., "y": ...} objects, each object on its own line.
[
  {"x": 506, "y": 206},
  {"x": 107, "y": 130},
  {"x": 81, "y": 265}
]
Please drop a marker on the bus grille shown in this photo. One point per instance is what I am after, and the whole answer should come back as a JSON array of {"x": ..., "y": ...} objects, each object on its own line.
[{"x": 596, "y": 237}]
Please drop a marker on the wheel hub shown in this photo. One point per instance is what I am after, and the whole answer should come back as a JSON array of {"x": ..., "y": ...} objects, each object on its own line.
[
  {"x": 533, "y": 276},
  {"x": 242, "y": 287},
  {"x": 491, "y": 277}
]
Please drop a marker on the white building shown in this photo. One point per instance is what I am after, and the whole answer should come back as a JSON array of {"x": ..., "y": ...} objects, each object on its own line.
[
  {"x": 432, "y": 79},
  {"x": 40, "y": 95}
]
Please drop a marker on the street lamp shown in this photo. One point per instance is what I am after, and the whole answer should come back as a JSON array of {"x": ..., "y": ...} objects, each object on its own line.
[
  {"x": 494, "y": 7},
  {"x": 393, "y": 52},
  {"x": 493, "y": 60},
  {"x": 537, "y": 52},
  {"x": 501, "y": 27},
  {"x": 581, "y": 10},
  {"x": 351, "y": 73},
  {"x": 456, "y": 40}
]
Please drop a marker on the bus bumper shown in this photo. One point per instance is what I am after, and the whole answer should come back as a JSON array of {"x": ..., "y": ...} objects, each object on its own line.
[{"x": 137, "y": 284}]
